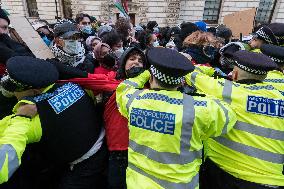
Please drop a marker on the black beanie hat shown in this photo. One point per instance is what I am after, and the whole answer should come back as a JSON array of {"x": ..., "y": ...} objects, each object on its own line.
[{"x": 4, "y": 16}]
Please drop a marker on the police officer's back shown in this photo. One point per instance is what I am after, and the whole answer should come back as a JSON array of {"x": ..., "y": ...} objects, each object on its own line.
[
  {"x": 251, "y": 154},
  {"x": 66, "y": 126},
  {"x": 166, "y": 126}
]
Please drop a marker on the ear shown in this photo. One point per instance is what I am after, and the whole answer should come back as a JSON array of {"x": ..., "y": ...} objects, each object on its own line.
[{"x": 235, "y": 75}]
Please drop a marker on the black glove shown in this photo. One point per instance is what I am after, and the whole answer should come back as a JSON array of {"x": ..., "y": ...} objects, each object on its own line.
[{"x": 67, "y": 72}]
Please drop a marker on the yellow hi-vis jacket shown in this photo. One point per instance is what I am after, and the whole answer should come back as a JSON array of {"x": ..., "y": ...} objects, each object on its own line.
[
  {"x": 166, "y": 133},
  {"x": 254, "y": 149},
  {"x": 15, "y": 133},
  {"x": 276, "y": 79}
]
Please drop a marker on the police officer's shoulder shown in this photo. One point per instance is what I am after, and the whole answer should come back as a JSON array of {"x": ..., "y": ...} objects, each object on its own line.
[
  {"x": 169, "y": 61},
  {"x": 34, "y": 72},
  {"x": 256, "y": 63},
  {"x": 276, "y": 53}
]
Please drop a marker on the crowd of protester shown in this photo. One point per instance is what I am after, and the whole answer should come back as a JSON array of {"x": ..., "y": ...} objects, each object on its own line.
[{"x": 91, "y": 141}]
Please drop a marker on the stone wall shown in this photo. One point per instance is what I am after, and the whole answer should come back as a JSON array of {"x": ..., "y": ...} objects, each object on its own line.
[
  {"x": 165, "y": 12},
  {"x": 16, "y": 7}
]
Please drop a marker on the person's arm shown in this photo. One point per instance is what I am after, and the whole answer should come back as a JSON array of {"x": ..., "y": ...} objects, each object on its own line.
[
  {"x": 221, "y": 118},
  {"x": 97, "y": 82},
  {"x": 128, "y": 89},
  {"x": 207, "y": 84},
  {"x": 21, "y": 129},
  {"x": 67, "y": 72}
]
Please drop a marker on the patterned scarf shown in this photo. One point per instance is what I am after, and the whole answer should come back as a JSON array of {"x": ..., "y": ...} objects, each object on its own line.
[{"x": 70, "y": 60}]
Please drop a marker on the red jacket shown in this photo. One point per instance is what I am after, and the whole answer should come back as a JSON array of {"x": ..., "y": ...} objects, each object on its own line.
[{"x": 116, "y": 125}]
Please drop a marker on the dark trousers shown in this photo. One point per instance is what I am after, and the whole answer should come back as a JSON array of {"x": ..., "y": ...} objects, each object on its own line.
[
  {"x": 212, "y": 177},
  {"x": 88, "y": 174},
  {"x": 117, "y": 169}
]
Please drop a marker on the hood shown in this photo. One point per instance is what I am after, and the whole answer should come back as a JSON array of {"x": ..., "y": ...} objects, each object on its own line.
[{"x": 123, "y": 59}]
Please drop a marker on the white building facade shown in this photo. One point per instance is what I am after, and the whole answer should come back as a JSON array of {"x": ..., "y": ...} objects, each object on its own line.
[{"x": 165, "y": 12}]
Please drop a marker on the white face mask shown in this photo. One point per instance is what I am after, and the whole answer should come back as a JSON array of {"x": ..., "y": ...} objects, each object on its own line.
[
  {"x": 156, "y": 44},
  {"x": 72, "y": 47},
  {"x": 119, "y": 52}
]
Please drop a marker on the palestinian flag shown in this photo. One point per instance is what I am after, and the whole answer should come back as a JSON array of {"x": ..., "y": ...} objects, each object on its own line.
[{"x": 121, "y": 7}]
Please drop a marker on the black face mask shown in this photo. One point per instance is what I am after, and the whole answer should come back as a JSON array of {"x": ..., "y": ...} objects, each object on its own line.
[
  {"x": 134, "y": 71},
  {"x": 109, "y": 60}
]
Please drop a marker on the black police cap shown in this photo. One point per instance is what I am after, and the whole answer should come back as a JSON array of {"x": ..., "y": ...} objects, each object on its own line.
[
  {"x": 276, "y": 53},
  {"x": 25, "y": 72},
  {"x": 278, "y": 31},
  {"x": 265, "y": 33},
  {"x": 168, "y": 66},
  {"x": 256, "y": 63}
]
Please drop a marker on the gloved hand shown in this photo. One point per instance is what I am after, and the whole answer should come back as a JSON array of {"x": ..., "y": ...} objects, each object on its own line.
[{"x": 67, "y": 72}]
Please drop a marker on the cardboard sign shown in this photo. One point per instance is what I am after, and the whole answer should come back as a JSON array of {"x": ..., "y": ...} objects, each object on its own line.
[
  {"x": 241, "y": 22},
  {"x": 24, "y": 32}
]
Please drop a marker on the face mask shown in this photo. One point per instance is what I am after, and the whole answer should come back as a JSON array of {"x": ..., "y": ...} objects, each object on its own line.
[
  {"x": 133, "y": 72},
  {"x": 156, "y": 30},
  {"x": 109, "y": 60},
  {"x": 119, "y": 52},
  {"x": 72, "y": 47},
  {"x": 87, "y": 29},
  {"x": 156, "y": 44}
]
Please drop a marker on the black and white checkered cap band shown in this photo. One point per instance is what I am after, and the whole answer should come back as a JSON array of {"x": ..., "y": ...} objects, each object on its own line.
[
  {"x": 9, "y": 83},
  {"x": 278, "y": 61},
  {"x": 250, "y": 70},
  {"x": 166, "y": 78},
  {"x": 266, "y": 37}
]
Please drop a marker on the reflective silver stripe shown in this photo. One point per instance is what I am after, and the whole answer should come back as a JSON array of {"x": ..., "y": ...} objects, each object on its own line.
[
  {"x": 127, "y": 82},
  {"x": 185, "y": 155},
  {"x": 260, "y": 131},
  {"x": 251, "y": 151},
  {"x": 166, "y": 184},
  {"x": 193, "y": 77},
  {"x": 134, "y": 95},
  {"x": 13, "y": 160},
  {"x": 225, "y": 128},
  {"x": 165, "y": 157},
  {"x": 199, "y": 69},
  {"x": 227, "y": 91}
]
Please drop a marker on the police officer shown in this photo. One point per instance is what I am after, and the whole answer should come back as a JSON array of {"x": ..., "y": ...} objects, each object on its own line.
[
  {"x": 61, "y": 117},
  {"x": 276, "y": 53},
  {"x": 166, "y": 126},
  {"x": 251, "y": 154}
]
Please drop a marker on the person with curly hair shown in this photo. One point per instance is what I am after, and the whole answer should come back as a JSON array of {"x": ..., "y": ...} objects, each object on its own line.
[{"x": 203, "y": 47}]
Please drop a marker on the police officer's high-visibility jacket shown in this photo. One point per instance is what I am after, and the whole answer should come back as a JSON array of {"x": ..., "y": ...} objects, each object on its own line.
[
  {"x": 254, "y": 149},
  {"x": 276, "y": 79},
  {"x": 58, "y": 127},
  {"x": 166, "y": 133}
]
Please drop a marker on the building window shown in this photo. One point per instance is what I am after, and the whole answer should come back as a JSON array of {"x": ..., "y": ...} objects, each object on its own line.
[
  {"x": 32, "y": 8},
  {"x": 265, "y": 11},
  {"x": 211, "y": 11}
]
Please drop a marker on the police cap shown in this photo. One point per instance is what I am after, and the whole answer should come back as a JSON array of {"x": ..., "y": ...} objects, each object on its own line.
[
  {"x": 168, "y": 66},
  {"x": 276, "y": 53},
  {"x": 266, "y": 34},
  {"x": 256, "y": 63},
  {"x": 278, "y": 30},
  {"x": 24, "y": 72}
]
